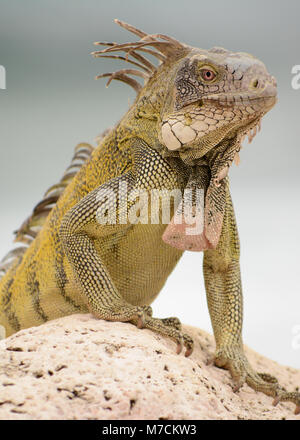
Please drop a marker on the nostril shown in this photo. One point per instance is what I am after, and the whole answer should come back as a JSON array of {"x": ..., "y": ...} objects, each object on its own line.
[{"x": 255, "y": 83}]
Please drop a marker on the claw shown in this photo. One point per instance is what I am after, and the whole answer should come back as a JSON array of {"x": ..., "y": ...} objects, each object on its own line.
[
  {"x": 239, "y": 383},
  {"x": 237, "y": 387},
  {"x": 297, "y": 410},
  {"x": 276, "y": 401},
  {"x": 179, "y": 346},
  {"x": 141, "y": 321},
  {"x": 188, "y": 352}
]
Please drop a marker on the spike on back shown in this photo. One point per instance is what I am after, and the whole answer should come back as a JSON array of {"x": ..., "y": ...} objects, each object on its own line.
[
  {"x": 34, "y": 223},
  {"x": 150, "y": 44}
]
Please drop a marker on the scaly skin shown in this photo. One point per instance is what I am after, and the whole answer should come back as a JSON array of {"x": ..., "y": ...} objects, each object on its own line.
[{"x": 183, "y": 131}]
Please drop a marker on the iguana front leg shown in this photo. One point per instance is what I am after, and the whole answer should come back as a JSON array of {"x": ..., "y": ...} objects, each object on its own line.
[
  {"x": 224, "y": 296},
  {"x": 78, "y": 231},
  {"x": 78, "y": 227}
]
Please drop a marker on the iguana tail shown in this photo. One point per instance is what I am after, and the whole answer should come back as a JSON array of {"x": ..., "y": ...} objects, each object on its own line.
[{"x": 34, "y": 223}]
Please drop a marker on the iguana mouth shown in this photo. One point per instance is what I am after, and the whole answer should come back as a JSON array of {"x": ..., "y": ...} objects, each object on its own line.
[{"x": 267, "y": 97}]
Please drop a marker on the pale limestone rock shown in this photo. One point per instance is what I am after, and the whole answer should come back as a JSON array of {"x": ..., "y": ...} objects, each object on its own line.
[{"x": 79, "y": 367}]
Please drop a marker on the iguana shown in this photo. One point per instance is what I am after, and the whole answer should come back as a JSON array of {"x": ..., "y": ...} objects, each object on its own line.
[{"x": 183, "y": 131}]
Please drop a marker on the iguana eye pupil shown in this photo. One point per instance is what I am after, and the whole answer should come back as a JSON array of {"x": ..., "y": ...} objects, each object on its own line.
[{"x": 208, "y": 75}]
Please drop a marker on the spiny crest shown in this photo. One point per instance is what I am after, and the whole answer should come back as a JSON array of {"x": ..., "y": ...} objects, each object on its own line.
[
  {"x": 150, "y": 44},
  {"x": 34, "y": 223}
]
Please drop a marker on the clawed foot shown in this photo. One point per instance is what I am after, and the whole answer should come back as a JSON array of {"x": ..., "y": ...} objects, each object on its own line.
[
  {"x": 142, "y": 317},
  {"x": 170, "y": 327},
  {"x": 231, "y": 358},
  {"x": 234, "y": 360}
]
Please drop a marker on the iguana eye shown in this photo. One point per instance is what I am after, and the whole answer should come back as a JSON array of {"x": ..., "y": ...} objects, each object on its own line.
[{"x": 207, "y": 75}]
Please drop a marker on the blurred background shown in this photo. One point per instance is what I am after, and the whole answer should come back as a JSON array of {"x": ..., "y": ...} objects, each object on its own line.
[{"x": 52, "y": 102}]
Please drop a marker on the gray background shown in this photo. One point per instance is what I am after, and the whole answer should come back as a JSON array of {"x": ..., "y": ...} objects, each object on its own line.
[{"x": 52, "y": 102}]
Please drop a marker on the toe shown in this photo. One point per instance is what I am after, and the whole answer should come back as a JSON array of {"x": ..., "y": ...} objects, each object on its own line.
[
  {"x": 239, "y": 382},
  {"x": 276, "y": 401},
  {"x": 189, "y": 345},
  {"x": 268, "y": 378},
  {"x": 172, "y": 322}
]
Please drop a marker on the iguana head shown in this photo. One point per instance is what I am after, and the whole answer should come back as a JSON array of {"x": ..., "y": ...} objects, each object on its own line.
[
  {"x": 216, "y": 95},
  {"x": 202, "y": 104}
]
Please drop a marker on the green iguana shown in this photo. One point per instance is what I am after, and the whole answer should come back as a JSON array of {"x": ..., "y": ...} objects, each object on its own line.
[{"x": 183, "y": 131}]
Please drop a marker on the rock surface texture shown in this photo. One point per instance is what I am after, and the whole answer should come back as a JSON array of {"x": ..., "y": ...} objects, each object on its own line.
[{"x": 79, "y": 367}]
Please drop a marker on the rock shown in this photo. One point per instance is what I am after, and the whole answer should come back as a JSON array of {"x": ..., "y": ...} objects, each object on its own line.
[{"x": 79, "y": 367}]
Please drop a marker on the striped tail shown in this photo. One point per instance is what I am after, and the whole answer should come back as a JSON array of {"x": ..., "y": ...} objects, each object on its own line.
[{"x": 34, "y": 223}]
